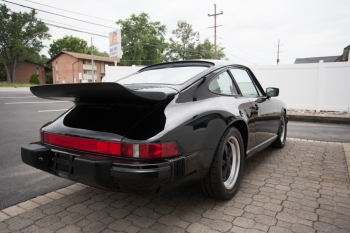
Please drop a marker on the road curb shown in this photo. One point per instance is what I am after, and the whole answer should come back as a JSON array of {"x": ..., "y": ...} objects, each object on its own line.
[
  {"x": 38, "y": 201},
  {"x": 319, "y": 118},
  {"x": 346, "y": 147}
]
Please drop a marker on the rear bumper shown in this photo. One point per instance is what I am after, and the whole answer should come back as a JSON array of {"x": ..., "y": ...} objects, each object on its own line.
[{"x": 113, "y": 174}]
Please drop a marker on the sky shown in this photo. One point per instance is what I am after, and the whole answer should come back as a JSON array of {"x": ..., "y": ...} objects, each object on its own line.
[{"x": 250, "y": 28}]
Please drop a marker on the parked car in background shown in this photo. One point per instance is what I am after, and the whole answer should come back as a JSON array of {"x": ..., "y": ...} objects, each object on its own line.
[{"x": 161, "y": 127}]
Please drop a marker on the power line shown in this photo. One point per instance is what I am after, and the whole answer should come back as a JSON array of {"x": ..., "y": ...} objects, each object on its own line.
[
  {"x": 240, "y": 58},
  {"x": 243, "y": 50},
  {"x": 67, "y": 25},
  {"x": 104, "y": 1},
  {"x": 148, "y": 44},
  {"x": 72, "y": 29},
  {"x": 61, "y": 16},
  {"x": 76, "y": 30},
  {"x": 57, "y": 14},
  {"x": 69, "y": 11}
]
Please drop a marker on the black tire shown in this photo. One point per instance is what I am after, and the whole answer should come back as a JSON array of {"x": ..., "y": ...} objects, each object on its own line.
[
  {"x": 223, "y": 178},
  {"x": 282, "y": 132}
]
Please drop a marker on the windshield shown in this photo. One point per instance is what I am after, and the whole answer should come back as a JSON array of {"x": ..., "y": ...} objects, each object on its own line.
[{"x": 172, "y": 75}]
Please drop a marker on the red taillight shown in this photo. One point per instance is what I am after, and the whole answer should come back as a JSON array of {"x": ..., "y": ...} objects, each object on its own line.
[
  {"x": 152, "y": 150},
  {"x": 77, "y": 143}
]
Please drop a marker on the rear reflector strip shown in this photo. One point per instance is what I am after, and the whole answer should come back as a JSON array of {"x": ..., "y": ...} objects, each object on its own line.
[{"x": 151, "y": 150}]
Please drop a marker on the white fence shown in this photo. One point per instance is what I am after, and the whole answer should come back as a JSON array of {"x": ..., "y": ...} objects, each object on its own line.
[{"x": 316, "y": 86}]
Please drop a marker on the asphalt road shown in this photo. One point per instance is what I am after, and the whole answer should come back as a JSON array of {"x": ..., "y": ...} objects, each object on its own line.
[
  {"x": 20, "y": 121},
  {"x": 319, "y": 131},
  {"x": 21, "y": 116}
]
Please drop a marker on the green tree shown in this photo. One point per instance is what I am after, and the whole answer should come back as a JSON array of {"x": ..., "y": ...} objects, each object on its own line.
[
  {"x": 186, "y": 45},
  {"x": 37, "y": 58},
  {"x": 206, "y": 50},
  {"x": 183, "y": 47},
  {"x": 68, "y": 43},
  {"x": 95, "y": 51},
  {"x": 143, "y": 41},
  {"x": 21, "y": 34},
  {"x": 73, "y": 44},
  {"x": 34, "y": 79}
]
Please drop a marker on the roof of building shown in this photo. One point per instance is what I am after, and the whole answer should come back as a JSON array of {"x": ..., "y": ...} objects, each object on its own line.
[
  {"x": 347, "y": 47},
  {"x": 316, "y": 59},
  {"x": 80, "y": 56},
  {"x": 35, "y": 63}
]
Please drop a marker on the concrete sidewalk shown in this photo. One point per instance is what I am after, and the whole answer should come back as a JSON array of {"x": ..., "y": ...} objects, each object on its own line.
[{"x": 303, "y": 187}]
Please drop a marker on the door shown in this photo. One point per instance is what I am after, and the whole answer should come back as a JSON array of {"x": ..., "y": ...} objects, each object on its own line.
[
  {"x": 223, "y": 84},
  {"x": 264, "y": 109}
]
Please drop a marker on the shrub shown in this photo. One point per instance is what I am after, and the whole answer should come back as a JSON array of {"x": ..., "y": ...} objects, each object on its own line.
[{"x": 34, "y": 79}]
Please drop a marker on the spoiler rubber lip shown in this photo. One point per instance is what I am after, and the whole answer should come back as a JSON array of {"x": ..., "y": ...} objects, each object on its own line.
[{"x": 80, "y": 91}]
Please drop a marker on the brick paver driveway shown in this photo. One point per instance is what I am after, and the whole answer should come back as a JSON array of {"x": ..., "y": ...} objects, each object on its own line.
[{"x": 301, "y": 188}]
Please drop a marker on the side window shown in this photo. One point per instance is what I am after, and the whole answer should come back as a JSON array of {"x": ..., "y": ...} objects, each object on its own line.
[
  {"x": 244, "y": 82},
  {"x": 222, "y": 84}
]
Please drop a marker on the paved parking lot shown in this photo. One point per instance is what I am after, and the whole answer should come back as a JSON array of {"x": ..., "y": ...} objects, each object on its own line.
[{"x": 303, "y": 187}]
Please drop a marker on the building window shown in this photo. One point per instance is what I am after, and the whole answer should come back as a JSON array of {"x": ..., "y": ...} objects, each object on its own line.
[{"x": 85, "y": 71}]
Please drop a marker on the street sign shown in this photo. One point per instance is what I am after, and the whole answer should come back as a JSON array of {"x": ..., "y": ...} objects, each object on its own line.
[{"x": 115, "y": 45}]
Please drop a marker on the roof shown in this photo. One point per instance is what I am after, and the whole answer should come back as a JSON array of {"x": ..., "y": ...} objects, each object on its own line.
[
  {"x": 80, "y": 56},
  {"x": 316, "y": 59},
  {"x": 35, "y": 63},
  {"x": 347, "y": 47}
]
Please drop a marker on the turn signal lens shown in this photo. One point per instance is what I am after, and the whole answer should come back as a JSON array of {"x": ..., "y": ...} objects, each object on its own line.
[
  {"x": 145, "y": 151},
  {"x": 159, "y": 150},
  {"x": 127, "y": 150}
]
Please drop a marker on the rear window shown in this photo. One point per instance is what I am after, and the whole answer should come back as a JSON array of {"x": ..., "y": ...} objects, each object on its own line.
[{"x": 171, "y": 75}]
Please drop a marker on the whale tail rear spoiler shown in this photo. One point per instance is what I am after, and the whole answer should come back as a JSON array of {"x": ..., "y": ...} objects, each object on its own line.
[{"x": 101, "y": 92}]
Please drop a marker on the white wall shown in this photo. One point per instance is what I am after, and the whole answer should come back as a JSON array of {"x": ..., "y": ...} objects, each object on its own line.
[
  {"x": 316, "y": 86},
  {"x": 114, "y": 73}
]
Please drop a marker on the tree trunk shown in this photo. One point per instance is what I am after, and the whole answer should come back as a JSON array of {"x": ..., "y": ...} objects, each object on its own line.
[
  {"x": 7, "y": 68},
  {"x": 14, "y": 65}
]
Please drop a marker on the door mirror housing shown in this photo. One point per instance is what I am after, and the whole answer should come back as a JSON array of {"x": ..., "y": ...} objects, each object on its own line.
[{"x": 272, "y": 91}]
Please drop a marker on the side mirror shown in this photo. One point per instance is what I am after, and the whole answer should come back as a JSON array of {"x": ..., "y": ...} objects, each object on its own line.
[{"x": 272, "y": 91}]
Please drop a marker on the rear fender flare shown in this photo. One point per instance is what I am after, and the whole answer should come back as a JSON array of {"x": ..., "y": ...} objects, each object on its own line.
[{"x": 242, "y": 127}]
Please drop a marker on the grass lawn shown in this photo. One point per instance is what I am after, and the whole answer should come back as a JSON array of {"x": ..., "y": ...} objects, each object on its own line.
[{"x": 16, "y": 85}]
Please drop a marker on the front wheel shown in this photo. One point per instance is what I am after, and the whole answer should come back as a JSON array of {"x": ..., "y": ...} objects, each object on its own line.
[
  {"x": 226, "y": 171},
  {"x": 282, "y": 132}
]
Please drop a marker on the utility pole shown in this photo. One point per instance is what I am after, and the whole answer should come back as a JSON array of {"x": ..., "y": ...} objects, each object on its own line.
[
  {"x": 215, "y": 54},
  {"x": 278, "y": 51},
  {"x": 92, "y": 62}
]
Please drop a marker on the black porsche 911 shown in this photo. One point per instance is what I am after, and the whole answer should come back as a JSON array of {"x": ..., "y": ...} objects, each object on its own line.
[{"x": 161, "y": 127}]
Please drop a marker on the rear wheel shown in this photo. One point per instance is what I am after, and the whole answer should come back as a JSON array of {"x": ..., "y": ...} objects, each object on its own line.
[
  {"x": 282, "y": 132},
  {"x": 226, "y": 171}
]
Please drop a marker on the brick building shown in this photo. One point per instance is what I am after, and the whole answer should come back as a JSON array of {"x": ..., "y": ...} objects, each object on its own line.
[
  {"x": 27, "y": 69},
  {"x": 70, "y": 67}
]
